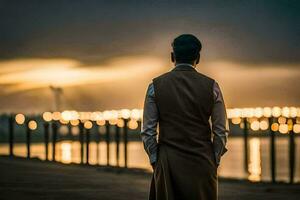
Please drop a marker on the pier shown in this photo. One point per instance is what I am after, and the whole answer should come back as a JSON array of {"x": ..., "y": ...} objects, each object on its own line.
[{"x": 35, "y": 179}]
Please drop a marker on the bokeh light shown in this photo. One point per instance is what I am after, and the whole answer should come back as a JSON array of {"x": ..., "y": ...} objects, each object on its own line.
[
  {"x": 88, "y": 124},
  {"x": 255, "y": 125},
  {"x": 267, "y": 112},
  {"x": 132, "y": 124},
  {"x": 56, "y": 115},
  {"x": 258, "y": 112},
  {"x": 100, "y": 122},
  {"x": 67, "y": 115},
  {"x": 113, "y": 121},
  {"x": 47, "y": 116},
  {"x": 293, "y": 112},
  {"x": 296, "y": 128},
  {"x": 281, "y": 120},
  {"x": 135, "y": 114},
  {"x": 63, "y": 121},
  {"x": 125, "y": 113},
  {"x": 120, "y": 123},
  {"x": 283, "y": 128},
  {"x": 285, "y": 112},
  {"x": 275, "y": 127},
  {"x": 236, "y": 120},
  {"x": 263, "y": 125},
  {"x": 290, "y": 124},
  {"x": 32, "y": 125},
  {"x": 83, "y": 116},
  {"x": 276, "y": 111},
  {"x": 20, "y": 118},
  {"x": 107, "y": 115},
  {"x": 96, "y": 116},
  {"x": 74, "y": 122}
]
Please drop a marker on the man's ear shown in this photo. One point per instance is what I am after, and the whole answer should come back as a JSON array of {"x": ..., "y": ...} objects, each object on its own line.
[
  {"x": 198, "y": 58},
  {"x": 172, "y": 57}
]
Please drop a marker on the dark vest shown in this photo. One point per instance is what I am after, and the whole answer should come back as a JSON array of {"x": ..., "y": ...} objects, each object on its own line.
[
  {"x": 185, "y": 100},
  {"x": 185, "y": 166}
]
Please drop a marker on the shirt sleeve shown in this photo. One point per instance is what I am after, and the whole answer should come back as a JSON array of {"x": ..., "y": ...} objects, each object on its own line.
[
  {"x": 149, "y": 125},
  {"x": 220, "y": 126}
]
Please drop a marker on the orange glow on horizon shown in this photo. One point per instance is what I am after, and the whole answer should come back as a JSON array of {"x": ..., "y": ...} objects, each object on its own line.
[{"x": 40, "y": 73}]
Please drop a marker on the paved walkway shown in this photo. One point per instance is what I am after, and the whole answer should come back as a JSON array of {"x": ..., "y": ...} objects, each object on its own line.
[{"x": 35, "y": 179}]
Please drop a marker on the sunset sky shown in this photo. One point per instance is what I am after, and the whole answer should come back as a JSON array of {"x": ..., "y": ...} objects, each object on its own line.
[{"x": 105, "y": 53}]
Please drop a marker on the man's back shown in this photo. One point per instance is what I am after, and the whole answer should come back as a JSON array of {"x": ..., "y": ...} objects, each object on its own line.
[
  {"x": 186, "y": 156},
  {"x": 185, "y": 100}
]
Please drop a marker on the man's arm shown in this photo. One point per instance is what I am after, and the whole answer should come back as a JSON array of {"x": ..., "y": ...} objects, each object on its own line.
[
  {"x": 220, "y": 126},
  {"x": 149, "y": 125}
]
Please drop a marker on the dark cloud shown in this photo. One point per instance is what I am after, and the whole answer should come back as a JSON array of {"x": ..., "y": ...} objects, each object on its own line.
[{"x": 92, "y": 31}]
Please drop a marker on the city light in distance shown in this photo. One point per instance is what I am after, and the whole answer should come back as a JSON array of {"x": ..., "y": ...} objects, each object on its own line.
[
  {"x": 296, "y": 128},
  {"x": 286, "y": 119},
  {"x": 47, "y": 116},
  {"x": 74, "y": 122},
  {"x": 32, "y": 125},
  {"x": 263, "y": 112},
  {"x": 20, "y": 118},
  {"x": 132, "y": 124},
  {"x": 88, "y": 124},
  {"x": 264, "y": 125},
  {"x": 100, "y": 117},
  {"x": 258, "y": 118}
]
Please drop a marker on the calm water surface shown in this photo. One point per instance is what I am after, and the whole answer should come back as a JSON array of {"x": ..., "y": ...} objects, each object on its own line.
[{"x": 232, "y": 164}]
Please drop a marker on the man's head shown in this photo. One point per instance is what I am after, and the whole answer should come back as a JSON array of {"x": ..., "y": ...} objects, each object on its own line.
[{"x": 186, "y": 49}]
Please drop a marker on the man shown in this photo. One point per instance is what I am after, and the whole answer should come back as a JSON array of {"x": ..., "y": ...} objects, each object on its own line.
[{"x": 182, "y": 101}]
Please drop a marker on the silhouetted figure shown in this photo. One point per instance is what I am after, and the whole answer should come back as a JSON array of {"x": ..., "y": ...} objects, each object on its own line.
[{"x": 186, "y": 156}]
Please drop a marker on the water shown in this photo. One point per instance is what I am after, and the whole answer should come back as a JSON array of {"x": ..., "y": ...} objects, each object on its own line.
[{"x": 232, "y": 164}]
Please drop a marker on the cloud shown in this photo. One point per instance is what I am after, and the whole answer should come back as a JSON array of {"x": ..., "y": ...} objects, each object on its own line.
[
  {"x": 256, "y": 84},
  {"x": 122, "y": 83},
  {"x": 27, "y": 74}
]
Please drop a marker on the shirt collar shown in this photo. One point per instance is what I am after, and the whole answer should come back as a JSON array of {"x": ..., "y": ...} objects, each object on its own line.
[
  {"x": 184, "y": 64},
  {"x": 184, "y": 67}
]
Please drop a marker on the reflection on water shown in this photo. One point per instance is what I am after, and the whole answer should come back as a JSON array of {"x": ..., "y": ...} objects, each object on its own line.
[
  {"x": 254, "y": 166},
  {"x": 232, "y": 163},
  {"x": 66, "y": 153}
]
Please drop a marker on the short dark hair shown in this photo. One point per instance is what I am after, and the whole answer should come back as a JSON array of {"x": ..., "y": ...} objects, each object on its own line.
[{"x": 186, "y": 48}]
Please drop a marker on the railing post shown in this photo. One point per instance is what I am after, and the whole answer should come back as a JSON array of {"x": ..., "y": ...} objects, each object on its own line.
[
  {"x": 54, "y": 137},
  {"x": 28, "y": 138},
  {"x": 81, "y": 129},
  {"x": 98, "y": 139},
  {"x": 117, "y": 145},
  {"x": 246, "y": 144},
  {"x": 70, "y": 130},
  {"x": 87, "y": 131},
  {"x": 292, "y": 154},
  {"x": 11, "y": 122},
  {"x": 46, "y": 139},
  {"x": 272, "y": 151},
  {"x": 125, "y": 132},
  {"x": 139, "y": 124},
  {"x": 107, "y": 125},
  {"x": 98, "y": 136}
]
